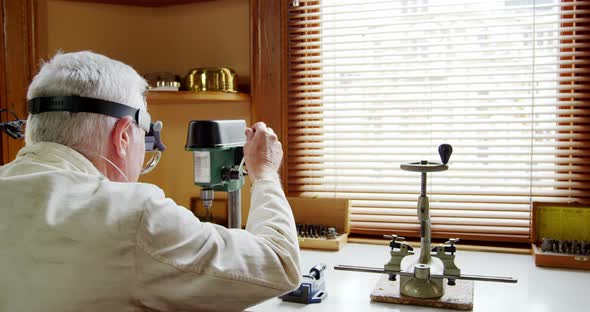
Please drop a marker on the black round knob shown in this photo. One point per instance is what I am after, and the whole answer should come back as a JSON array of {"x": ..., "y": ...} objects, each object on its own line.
[{"x": 445, "y": 151}]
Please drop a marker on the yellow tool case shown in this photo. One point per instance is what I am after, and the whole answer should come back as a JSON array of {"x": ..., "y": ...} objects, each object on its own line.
[{"x": 558, "y": 232}]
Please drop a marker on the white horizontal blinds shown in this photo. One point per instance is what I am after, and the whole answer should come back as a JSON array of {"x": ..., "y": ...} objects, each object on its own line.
[
  {"x": 576, "y": 41},
  {"x": 305, "y": 42},
  {"x": 374, "y": 84}
]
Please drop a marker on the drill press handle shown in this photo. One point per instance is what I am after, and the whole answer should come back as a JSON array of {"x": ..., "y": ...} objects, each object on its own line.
[
  {"x": 445, "y": 151},
  {"x": 394, "y": 237},
  {"x": 452, "y": 241}
]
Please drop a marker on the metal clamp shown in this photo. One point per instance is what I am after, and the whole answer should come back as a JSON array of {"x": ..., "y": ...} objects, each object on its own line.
[{"x": 399, "y": 250}]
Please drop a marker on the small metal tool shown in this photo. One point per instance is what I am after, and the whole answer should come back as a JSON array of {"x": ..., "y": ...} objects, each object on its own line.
[
  {"x": 315, "y": 231},
  {"x": 13, "y": 128},
  {"x": 312, "y": 289},
  {"x": 547, "y": 244},
  {"x": 572, "y": 247},
  {"x": 331, "y": 234}
]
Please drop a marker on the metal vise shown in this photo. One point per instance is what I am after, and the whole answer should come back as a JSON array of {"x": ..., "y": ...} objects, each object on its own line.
[{"x": 312, "y": 289}]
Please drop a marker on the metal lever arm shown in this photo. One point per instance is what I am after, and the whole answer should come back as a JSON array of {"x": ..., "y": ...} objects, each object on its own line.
[{"x": 401, "y": 273}]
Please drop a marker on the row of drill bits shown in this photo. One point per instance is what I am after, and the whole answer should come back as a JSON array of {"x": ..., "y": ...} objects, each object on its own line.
[
  {"x": 316, "y": 231},
  {"x": 574, "y": 247}
]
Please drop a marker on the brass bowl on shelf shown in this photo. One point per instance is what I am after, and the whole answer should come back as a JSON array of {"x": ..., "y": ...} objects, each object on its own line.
[{"x": 211, "y": 79}]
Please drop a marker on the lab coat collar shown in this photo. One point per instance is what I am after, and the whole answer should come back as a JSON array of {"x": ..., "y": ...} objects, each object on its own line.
[{"x": 59, "y": 156}]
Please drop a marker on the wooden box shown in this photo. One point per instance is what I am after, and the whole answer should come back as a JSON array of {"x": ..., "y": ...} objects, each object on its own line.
[
  {"x": 332, "y": 212},
  {"x": 560, "y": 221}
]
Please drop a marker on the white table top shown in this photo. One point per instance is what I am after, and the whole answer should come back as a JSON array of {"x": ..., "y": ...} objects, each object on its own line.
[{"x": 538, "y": 289}]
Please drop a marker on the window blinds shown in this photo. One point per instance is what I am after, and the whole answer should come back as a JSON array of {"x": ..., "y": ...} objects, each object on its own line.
[{"x": 374, "y": 84}]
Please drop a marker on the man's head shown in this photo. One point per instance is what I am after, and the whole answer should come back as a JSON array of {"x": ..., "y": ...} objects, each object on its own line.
[{"x": 91, "y": 75}]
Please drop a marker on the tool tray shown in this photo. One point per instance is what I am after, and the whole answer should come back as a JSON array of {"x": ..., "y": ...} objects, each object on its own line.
[
  {"x": 327, "y": 212},
  {"x": 563, "y": 222}
]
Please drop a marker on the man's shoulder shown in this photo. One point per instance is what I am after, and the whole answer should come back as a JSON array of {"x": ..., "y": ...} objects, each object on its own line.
[
  {"x": 129, "y": 197},
  {"x": 139, "y": 191}
]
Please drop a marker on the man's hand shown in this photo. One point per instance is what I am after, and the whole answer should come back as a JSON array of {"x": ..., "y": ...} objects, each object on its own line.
[{"x": 263, "y": 153}]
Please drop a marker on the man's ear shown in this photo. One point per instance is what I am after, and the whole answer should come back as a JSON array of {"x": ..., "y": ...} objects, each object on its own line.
[{"x": 120, "y": 135}]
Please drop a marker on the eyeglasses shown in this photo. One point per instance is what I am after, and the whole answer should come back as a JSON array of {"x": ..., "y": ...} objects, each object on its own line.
[{"x": 153, "y": 145}]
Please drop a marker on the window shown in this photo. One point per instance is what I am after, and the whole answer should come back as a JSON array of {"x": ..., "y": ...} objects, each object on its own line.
[{"x": 374, "y": 84}]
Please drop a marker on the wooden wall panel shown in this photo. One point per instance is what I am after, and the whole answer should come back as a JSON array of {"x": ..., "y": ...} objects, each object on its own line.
[
  {"x": 3, "y": 137},
  {"x": 269, "y": 66},
  {"x": 171, "y": 39},
  {"x": 20, "y": 62},
  {"x": 35, "y": 29},
  {"x": 150, "y": 3}
]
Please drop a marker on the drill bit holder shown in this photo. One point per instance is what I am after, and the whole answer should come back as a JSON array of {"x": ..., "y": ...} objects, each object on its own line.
[
  {"x": 315, "y": 231},
  {"x": 321, "y": 223}
]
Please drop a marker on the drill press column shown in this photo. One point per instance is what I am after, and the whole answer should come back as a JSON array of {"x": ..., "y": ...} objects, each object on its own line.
[{"x": 234, "y": 209}]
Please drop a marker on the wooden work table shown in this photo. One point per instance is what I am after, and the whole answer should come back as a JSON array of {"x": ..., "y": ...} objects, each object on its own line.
[{"x": 538, "y": 289}]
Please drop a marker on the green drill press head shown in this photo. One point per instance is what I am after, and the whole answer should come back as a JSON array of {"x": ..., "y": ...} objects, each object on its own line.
[{"x": 218, "y": 150}]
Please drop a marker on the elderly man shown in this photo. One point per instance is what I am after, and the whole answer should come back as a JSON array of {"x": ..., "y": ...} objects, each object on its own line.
[{"x": 78, "y": 233}]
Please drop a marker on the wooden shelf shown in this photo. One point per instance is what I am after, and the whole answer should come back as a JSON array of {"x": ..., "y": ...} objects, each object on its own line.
[
  {"x": 146, "y": 3},
  {"x": 189, "y": 97}
]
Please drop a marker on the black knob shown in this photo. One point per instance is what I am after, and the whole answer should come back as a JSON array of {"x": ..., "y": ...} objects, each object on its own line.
[
  {"x": 234, "y": 174},
  {"x": 316, "y": 271},
  {"x": 445, "y": 151}
]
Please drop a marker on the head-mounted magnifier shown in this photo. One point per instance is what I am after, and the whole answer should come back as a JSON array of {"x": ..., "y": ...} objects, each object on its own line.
[{"x": 78, "y": 104}]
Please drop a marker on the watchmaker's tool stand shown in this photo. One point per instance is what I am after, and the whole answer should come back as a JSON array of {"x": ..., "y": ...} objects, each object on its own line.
[{"x": 421, "y": 277}]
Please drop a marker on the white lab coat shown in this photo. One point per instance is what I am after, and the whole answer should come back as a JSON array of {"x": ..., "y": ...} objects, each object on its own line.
[{"x": 71, "y": 240}]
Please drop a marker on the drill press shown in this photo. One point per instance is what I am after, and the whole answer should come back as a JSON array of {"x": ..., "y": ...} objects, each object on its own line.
[
  {"x": 421, "y": 277},
  {"x": 218, "y": 161}
]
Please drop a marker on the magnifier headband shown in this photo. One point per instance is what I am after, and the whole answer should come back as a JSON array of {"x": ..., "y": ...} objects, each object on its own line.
[{"x": 79, "y": 104}]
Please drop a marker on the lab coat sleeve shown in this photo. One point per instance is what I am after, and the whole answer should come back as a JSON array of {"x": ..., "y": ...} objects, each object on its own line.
[{"x": 184, "y": 264}]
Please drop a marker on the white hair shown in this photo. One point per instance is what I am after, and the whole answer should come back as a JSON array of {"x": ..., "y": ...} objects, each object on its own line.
[{"x": 83, "y": 74}]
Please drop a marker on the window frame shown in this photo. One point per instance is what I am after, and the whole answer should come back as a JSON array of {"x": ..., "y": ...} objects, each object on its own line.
[{"x": 262, "y": 107}]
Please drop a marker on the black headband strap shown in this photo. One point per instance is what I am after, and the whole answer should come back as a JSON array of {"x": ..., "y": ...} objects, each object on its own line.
[{"x": 78, "y": 104}]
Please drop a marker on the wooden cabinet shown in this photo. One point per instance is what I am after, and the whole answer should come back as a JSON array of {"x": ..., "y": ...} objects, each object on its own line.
[
  {"x": 149, "y": 3},
  {"x": 175, "y": 39},
  {"x": 154, "y": 36},
  {"x": 247, "y": 36},
  {"x": 18, "y": 64}
]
